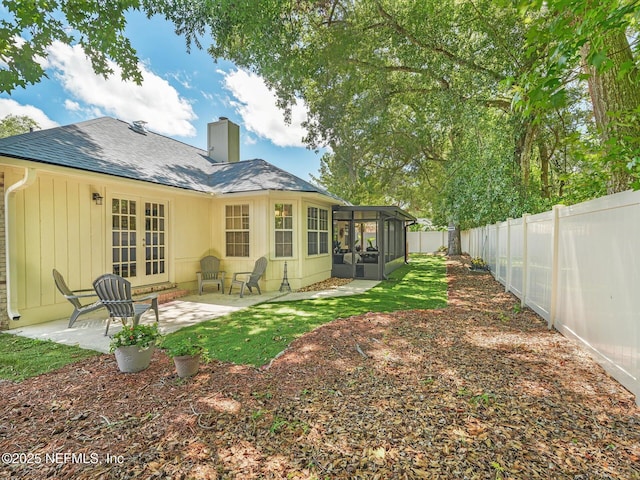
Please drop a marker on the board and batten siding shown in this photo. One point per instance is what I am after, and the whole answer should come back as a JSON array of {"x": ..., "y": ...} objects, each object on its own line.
[{"x": 55, "y": 223}]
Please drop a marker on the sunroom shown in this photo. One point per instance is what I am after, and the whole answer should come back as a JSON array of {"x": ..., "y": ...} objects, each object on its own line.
[{"x": 369, "y": 242}]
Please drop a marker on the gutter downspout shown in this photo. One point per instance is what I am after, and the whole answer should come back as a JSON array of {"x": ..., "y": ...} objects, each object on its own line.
[
  {"x": 27, "y": 180},
  {"x": 406, "y": 240}
]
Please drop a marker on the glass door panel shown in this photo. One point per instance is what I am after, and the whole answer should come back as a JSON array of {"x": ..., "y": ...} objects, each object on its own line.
[
  {"x": 124, "y": 237},
  {"x": 154, "y": 238},
  {"x": 134, "y": 231}
]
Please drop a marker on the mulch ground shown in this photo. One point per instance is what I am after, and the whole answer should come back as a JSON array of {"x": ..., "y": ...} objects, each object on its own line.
[
  {"x": 328, "y": 284},
  {"x": 479, "y": 390}
]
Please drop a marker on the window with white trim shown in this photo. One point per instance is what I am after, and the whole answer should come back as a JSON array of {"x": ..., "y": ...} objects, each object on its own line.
[
  {"x": 237, "y": 230},
  {"x": 283, "y": 214},
  {"x": 317, "y": 231}
]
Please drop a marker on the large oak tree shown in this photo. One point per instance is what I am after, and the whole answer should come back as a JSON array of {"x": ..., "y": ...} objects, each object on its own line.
[{"x": 468, "y": 111}]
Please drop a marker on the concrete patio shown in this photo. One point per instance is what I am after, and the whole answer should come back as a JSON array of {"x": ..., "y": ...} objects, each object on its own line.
[{"x": 88, "y": 331}]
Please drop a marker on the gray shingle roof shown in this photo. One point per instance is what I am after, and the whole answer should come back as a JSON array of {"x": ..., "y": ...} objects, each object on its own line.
[
  {"x": 255, "y": 175},
  {"x": 109, "y": 146}
]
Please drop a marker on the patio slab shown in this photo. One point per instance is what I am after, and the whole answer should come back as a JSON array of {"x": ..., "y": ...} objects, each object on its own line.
[
  {"x": 354, "y": 287},
  {"x": 88, "y": 331}
]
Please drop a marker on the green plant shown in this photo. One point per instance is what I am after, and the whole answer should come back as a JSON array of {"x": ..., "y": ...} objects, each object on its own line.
[
  {"x": 278, "y": 424},
  {"x": 257, "y": 415},
  {"x": 182, "y": 346},
  {"x": 477, "y": 263},
  {"x": 428, "y": 380},
  {"x": 141, "y": 335},
  {"x": 463, "y": 392},
  {"x": 282, "y": 425},
  {"x": 484, "y": 398},
  {"x": 499, "y": 470},
  {"x": 262, "y": 395}
]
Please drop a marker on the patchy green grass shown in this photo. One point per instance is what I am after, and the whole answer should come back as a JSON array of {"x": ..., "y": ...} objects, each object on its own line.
[
  {"x": 256, "y": 335},
  {"x": 21, "y": 357}
]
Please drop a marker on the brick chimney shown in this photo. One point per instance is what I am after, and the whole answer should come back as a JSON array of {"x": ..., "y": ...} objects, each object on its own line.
[{"x": 223, "y": 141}]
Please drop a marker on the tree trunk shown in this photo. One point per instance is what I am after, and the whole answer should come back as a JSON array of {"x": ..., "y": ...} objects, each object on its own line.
[
  {"x": 544, "y": 168},
  {"x": 455, "y": 244},
  {"x": 525, "y": 137},
  {"x": 618, "y": 92}
]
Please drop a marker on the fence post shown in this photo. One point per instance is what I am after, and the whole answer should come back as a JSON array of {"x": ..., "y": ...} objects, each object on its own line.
[
  {"x": 525, "y": 262},
  {"x": 555, "y": 238},
  {"x": 496, "y": 250},
  {"x": 507, "y": 280}
]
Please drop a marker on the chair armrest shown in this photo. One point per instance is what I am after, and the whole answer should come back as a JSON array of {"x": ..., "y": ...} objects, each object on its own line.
[
  {"x": 84, "y": 295},
  {"x": 151, "y": 296},
  {"x": 235, "y": 275},
  {"x": 85, "y": 290}
]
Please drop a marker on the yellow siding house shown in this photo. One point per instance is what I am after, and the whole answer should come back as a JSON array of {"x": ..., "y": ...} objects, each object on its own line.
[{"x": 108, "y": 196}]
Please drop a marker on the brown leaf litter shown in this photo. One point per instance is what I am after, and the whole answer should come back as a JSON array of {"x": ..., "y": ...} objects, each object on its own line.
[{"x": 479, "y": 390}]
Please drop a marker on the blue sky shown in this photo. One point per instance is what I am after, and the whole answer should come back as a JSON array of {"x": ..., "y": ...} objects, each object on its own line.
[{"x": 181, "y": 93}]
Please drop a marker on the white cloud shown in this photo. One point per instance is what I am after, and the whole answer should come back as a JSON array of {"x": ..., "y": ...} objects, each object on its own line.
[
  {"x": 260, "y": 114},
  {"x": 207, "y": 96},
  {"x": 182, "y": 78},
  {"x": 155, "y": 101},
  {"x": 11, "y": 107},
  {"x": 72, "y": 106}
]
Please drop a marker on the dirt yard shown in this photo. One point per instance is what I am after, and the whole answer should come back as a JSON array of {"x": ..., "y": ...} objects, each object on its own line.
[{"x": 479, "y": 390}]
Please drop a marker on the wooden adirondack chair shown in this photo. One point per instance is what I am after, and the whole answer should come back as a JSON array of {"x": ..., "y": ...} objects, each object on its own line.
[
  {"x": 115, "y": 293},
  {"x": 249, "y": 279},
  {"x": 75, "y": 297},
  {"x": 210, "y": 273}
]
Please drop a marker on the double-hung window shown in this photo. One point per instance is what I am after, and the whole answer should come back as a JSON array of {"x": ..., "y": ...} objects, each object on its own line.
[
  {"x": 237, "y": 230},
  {"x": 284, "y": 229},
  {"x": 317, "y": 231}
]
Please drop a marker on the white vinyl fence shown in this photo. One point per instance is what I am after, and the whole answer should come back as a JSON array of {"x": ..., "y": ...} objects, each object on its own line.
[
  {"x": 426, "y": 242},
  {"x": 578, "y": 267}
]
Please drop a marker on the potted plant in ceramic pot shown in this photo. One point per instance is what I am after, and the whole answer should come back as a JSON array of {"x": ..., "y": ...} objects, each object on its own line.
[
  {"x": 134, "y": 346},
  {"x": 187, "y": 353}
]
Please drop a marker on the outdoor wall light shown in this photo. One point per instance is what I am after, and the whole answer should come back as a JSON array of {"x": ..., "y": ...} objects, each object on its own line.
[{"x": 97, "y": 198}]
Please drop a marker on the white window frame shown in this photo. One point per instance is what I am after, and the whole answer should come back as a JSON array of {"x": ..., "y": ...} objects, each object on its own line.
[
  {"x": 318, "y": 230},
  {"x": 283, "y": 228},
  {"x": 237, "y": 230}
]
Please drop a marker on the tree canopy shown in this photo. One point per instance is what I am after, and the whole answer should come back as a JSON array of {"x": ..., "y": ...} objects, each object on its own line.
[
  {"x": 33, "y": 26},
  {"x": 468, "y": 111},
  {"x": 15, "y": 125},
  {"x": 464, "y": 111}
]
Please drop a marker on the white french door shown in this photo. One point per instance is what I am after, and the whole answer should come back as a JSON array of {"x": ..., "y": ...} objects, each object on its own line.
[{"x": 138, "y": 240}]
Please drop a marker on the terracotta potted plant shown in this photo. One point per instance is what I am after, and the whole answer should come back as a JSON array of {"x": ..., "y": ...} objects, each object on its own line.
[
  {"x": 134, "y": 346},
  {"x": 187, "y": 354}
]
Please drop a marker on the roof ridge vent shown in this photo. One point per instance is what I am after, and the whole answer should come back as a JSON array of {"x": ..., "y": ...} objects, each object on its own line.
[{"x": 139, "y": 126}]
